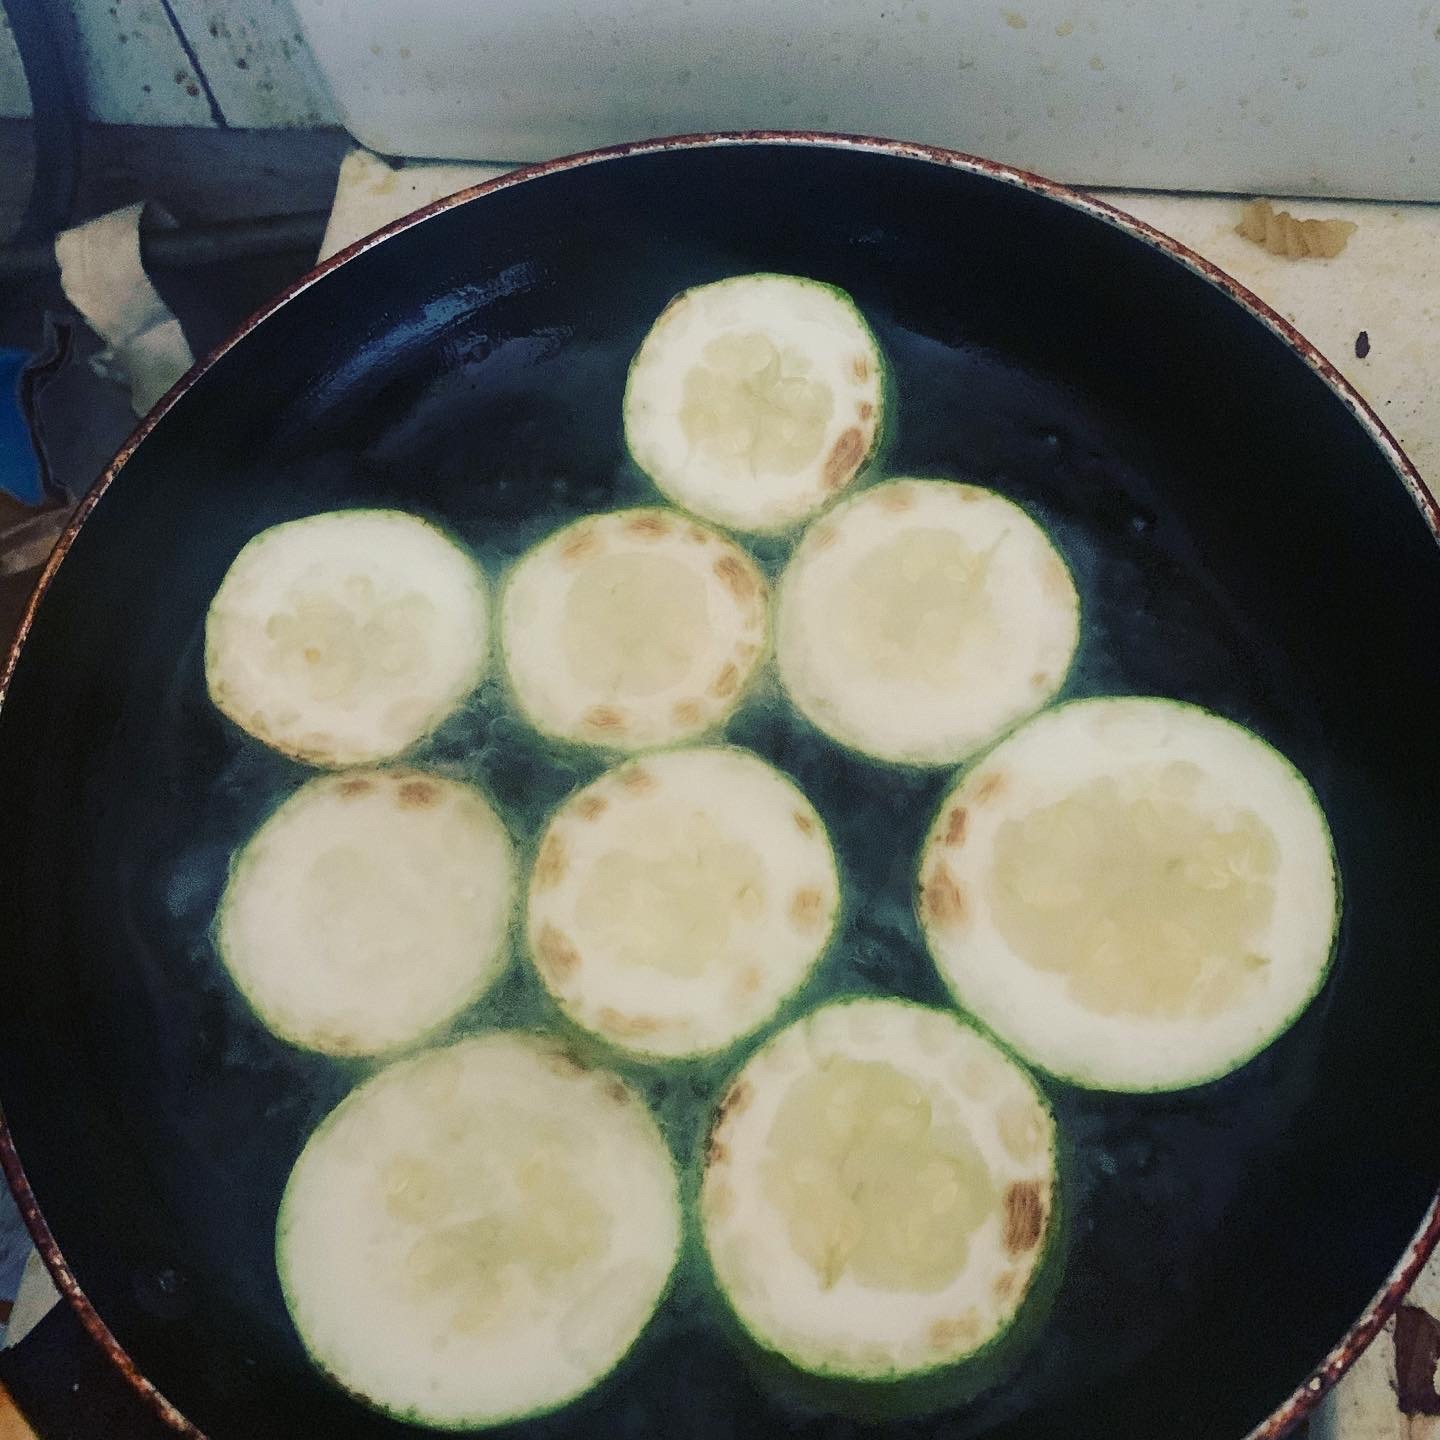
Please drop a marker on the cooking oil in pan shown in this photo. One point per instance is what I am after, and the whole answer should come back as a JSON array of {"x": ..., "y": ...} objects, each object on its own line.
[{"x": 1157, "y": 1191}]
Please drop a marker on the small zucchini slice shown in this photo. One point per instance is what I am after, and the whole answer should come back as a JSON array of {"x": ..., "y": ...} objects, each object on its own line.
[
  {"x": 679, "y": 899},
  {"x": 343, "y": 638},
  {"x": 368, "y": 909},
  {"x": 632, "y": 629},
  {"x": 755, "y": 400},
  {"x": 1135, "y": 894},
  {"x": 922, "y": 618}
]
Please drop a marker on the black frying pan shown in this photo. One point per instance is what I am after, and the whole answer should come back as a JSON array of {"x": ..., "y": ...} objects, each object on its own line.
[{"x": 1245, "y": 534}]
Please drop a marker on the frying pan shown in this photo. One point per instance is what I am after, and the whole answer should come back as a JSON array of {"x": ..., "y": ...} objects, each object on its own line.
[{"x": 1245, "y": 535}]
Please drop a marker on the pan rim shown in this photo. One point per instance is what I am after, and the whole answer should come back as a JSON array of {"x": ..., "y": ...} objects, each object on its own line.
[{"x": 1309, "y": 1393}]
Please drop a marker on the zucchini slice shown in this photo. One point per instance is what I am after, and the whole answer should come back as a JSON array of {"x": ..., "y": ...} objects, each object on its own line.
[
  {"x": 343, "y": 638},
  {"x": 632, "y": 629},
  {"x": 1134, "y": 893},
  {"x": 368, "y": 909},
  {"x": 679, "y": 899},
  {"x": 922, "y": 618},
  {"x": 878, "y": 1191},
  {"x": 755, "y": 400},
  {"x": 478, "y": 1234}
]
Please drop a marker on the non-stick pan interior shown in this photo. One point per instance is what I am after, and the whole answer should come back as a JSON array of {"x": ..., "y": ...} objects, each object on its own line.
[{"x": 1238, "y": 540}]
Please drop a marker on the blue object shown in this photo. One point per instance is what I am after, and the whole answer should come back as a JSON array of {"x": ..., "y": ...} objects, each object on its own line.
[{"x": 19, "y": 469}]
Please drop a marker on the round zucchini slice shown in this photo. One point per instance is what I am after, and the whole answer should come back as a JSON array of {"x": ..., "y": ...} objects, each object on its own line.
[
  {"x": 922, "y": 618},
  {"x": 478, "y": 1234},
  {"x": 679, "y": 899},
  {"x": 343, "y": 638},
  {"x": 1134, "y": 893},
  {"x": 754, "y": 400},
  {"x": 632, "y": 629},
  {"x": 878, "y": 1192},
  {"x": 368, "y": 909}
]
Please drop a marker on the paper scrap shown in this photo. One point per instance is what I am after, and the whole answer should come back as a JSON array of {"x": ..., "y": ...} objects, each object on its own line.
[
  {"x": 104, "y": 279},
  {"x": 370, "y": 193},
  {"x": 36, "y": 1298}
]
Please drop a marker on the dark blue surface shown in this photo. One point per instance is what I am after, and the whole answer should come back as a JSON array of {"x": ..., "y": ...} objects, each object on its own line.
[{"x": 19, "y": 472}]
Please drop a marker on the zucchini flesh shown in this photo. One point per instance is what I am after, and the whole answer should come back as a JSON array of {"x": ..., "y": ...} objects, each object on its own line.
[{"x": 878, "y": 1191}]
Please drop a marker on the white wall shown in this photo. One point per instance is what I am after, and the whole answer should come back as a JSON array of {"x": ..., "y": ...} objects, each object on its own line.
[
  {"x": 250, "y": 68},
  {"x": 1315, "y": 97}
]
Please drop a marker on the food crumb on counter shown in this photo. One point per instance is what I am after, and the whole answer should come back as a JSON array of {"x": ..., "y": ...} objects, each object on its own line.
[{"x": 1281, "y": 233}]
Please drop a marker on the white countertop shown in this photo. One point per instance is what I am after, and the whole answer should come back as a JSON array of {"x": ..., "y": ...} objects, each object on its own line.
[{"x": 1386, "y": 283}]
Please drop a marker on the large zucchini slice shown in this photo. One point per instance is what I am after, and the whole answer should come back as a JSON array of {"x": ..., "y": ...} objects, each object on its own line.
[
  {"x": 632, "y": 629},
  {"x": 878, "y": 1192},
  {"x": 478, "y": 1234},
  {"x": 1134, "y": 893},
  {"x": 679, "y": 899},
  {"x": 368, "y": 909},
  {"x": 922, "y": 618},
  {"x": 755, "y": 400},
  {"x": 343, "y": 638}
]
